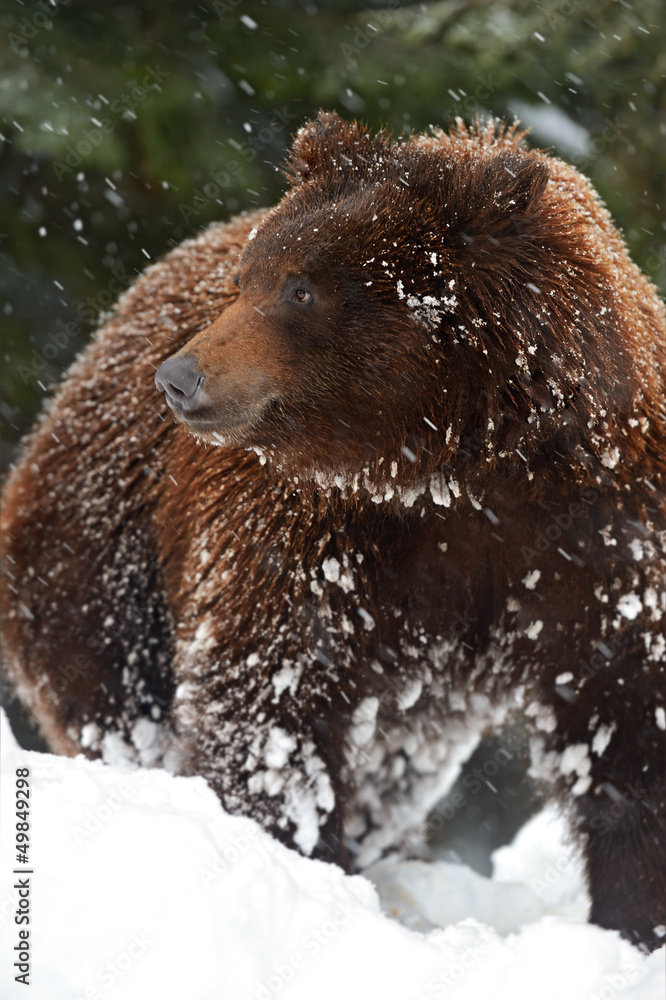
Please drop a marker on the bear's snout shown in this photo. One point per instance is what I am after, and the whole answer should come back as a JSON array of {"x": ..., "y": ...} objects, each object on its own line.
[
  {"x": 225, "y": 396},
  {"x": 181, "y": 379}
]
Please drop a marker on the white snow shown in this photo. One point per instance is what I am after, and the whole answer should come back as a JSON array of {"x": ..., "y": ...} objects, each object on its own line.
[
  {"x": 532, "y": 631},
  {"x": 440, "y": 491},
  {"x": 331, "y": 568},
  {"x": 278, "y": 747},
  {"x": 629, "y": 605},
  {"x": 410, "y": 695},
  {"x": 536, "y": 876},
  {"x": 364, "y": 723},
  {"x": 142, "y": 886},
  {"x": 575, "y": 759},
  {"x": 367, "y": 619},
  {"x": 602, "y": 738}
]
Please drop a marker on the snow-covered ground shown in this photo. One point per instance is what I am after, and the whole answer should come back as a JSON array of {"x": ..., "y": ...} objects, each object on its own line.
[{"x": 143, "y": 887}]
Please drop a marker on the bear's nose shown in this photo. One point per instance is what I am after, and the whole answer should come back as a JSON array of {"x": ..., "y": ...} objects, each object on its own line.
[{"x": 181, "y": 380}]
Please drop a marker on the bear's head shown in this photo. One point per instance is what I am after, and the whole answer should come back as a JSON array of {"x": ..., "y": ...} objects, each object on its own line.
[{"x": 415, "y": 301}]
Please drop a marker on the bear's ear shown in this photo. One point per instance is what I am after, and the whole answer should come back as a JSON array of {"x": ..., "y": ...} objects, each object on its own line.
[
  {"x": 317, "y": 144},
  {"x": 509, "y": 184}
]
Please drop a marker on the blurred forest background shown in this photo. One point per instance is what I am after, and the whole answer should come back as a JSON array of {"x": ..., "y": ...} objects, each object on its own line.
[{"x": 125, "y": 127}]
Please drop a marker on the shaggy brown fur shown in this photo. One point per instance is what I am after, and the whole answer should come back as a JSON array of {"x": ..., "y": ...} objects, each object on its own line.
[{"x": 437, "y": 498}]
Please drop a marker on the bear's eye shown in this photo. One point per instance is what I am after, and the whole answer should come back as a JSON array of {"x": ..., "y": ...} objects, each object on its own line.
[
  {"x": 302, "y": 295},
  {"x": 236, "y": 280}
]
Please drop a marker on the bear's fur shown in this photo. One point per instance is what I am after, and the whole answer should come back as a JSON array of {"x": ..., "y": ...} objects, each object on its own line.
[{"x": 438, "y": 498}]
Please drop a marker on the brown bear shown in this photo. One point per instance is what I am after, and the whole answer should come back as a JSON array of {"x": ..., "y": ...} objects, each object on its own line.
[{"x": 415, "y": 485}]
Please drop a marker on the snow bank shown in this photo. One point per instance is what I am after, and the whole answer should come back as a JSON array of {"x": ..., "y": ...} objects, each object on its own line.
[{"x": 144, "y": 887}]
